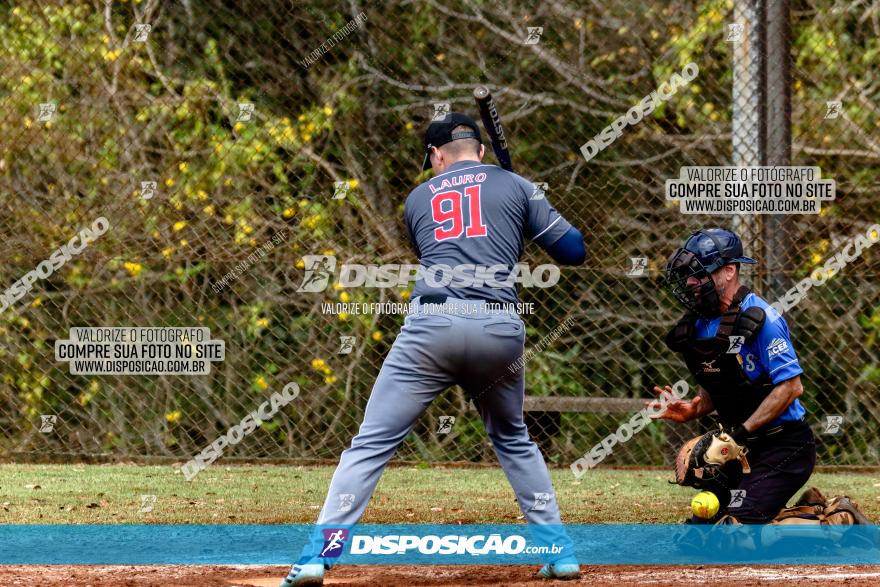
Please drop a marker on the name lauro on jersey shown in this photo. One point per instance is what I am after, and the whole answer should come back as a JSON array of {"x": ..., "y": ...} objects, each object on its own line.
[{"x": 457, "y": 180}]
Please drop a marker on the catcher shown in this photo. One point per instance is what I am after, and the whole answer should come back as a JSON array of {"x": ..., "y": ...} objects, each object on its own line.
[{"x": 739, "y": 350}]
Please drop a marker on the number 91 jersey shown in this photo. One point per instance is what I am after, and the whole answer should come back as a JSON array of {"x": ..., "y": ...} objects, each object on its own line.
[{"x": 468, "y": 226}]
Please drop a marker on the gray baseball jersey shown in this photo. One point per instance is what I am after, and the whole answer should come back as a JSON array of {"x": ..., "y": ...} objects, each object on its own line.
[{"x": 474, "y": 218}]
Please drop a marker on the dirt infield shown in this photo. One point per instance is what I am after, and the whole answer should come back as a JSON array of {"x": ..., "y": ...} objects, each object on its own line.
[{"x": 248, "y": 576}]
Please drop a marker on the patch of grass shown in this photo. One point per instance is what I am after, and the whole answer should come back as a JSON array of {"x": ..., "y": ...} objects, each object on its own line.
[{"x": 111, "y": 494}]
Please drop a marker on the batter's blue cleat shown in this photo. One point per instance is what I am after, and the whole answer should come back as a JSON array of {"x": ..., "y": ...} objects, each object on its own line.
[
  {"x": 311, "y": 574},
  {"x": 566, "y": 568}
]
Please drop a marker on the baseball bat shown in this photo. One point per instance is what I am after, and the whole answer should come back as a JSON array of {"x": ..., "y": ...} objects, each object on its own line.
[{"x": 492, "y": 124}]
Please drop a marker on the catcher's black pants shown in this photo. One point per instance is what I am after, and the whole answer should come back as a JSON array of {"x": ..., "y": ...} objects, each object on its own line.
[{"x": 781, "y": 461}]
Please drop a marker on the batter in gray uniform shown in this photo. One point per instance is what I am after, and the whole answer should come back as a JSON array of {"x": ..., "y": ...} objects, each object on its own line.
[{"x": 479, "y": 216}]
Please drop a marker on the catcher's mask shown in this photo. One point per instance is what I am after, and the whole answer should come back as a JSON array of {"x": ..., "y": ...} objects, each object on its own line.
[{"x": 704, "y": 252}]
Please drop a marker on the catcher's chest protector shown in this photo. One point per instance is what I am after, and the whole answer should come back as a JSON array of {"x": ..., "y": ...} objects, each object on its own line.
[{"x": 720, "y": 373}]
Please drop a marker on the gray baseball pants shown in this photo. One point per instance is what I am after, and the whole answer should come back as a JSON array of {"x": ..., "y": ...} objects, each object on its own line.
[{"x": 440, "y": 345}]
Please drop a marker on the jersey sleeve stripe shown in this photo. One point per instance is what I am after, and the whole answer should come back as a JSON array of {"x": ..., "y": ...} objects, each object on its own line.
[{"x": 549, "y": 226}]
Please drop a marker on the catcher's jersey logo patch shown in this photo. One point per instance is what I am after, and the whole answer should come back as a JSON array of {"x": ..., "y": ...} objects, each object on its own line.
[
  {"x": 709, "y": 367},
  {"x": 777, "y": 346}
]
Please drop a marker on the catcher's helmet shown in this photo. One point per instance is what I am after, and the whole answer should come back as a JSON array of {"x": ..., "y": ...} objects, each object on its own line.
[{"x": 703, "y": 253}]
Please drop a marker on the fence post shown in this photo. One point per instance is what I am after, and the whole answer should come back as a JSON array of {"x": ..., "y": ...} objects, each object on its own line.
[
  {"x": 746, "y": 123},
  {"x": 778, "y": 229}
]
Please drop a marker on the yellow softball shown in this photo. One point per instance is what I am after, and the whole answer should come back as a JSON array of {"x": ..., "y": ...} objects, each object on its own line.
[{"x": 705, "y": 505}]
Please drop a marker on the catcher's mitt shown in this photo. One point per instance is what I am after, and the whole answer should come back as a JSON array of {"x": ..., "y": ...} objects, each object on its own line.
[{"x": 701, "y": 459}]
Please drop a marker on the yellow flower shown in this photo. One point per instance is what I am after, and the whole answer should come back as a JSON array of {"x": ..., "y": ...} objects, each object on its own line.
[
  {"x": 337, "y": 286},
  {"x": 184, "y": 242},
  {"x": 184, "y": 166},
  {"x": 344, "y": 297},
  {"x": 180, "y": 225},
  {"x": 873, "y": 235},
  {"x": 817, "y": 257},
  {"x": 166, "y": 252},
  {"x": 353, "y": 183},
  {"x": 343, "y": 316},
  {"x": 328, "y": 111},
  {"x": 227, "y": 219},
  {"x": 330, "y": 379},
  {"x": 404, "y": 295},
  {"x": 37, "y": 303},
  {"x": 28, "y": 122},
  {"x": 209, "y": 209},
  {"x": 377, "y": 336},
  {"x": 172, "y": 417},
  {"x": 328, "y": 252},
  {"x": 263, "y": 322},
  {"x": 202, "y": 195},
  {"x": 134, "y": 269},
  {"x": 288, "y": 212},
  {"x": 261, "y": 382},
  {"x": 318, "y": 363},
  {"x": 409, "y": 126},
  {"x": 227, "y": 182},
  {"x": 169, "y": 182},
  {"x": 238, "y": 127}
]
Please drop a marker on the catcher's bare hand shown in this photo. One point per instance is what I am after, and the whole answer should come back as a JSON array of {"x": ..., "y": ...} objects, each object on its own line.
[{"x": 677, "y": 410}]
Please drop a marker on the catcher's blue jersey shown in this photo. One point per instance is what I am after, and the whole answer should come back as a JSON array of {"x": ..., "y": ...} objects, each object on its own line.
[
  {"x": 770, "y": 352},
  {"x": 476, "y": 214}
]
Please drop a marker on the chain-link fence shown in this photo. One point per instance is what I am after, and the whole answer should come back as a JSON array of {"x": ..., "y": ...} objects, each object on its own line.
[{"x": 225, "y": 142}]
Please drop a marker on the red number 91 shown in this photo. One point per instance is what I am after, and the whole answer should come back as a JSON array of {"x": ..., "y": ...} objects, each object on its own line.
[{"x": 447, "y": 207}]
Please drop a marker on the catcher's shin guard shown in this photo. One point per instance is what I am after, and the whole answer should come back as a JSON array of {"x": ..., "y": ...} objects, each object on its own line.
[{"x": 813, "y": 509}]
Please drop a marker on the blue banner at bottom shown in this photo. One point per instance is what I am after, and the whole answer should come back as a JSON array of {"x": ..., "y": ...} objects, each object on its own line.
[{"x": 434, "y": 544}]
